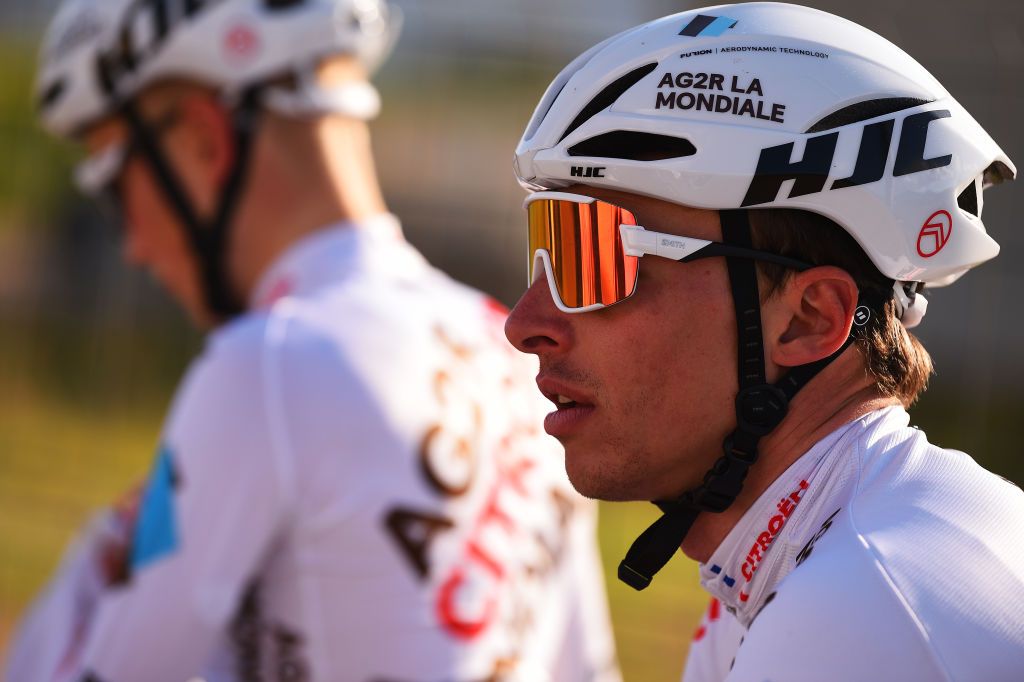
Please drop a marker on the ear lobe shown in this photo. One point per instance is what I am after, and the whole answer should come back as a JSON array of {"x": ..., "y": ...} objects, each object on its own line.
[{"x": 812, "y": 316}]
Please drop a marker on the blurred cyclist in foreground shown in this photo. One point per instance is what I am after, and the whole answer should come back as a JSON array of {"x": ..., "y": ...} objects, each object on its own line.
[
  {"x": 733, "y": 214},
  {"x": 352, "y": 483}
]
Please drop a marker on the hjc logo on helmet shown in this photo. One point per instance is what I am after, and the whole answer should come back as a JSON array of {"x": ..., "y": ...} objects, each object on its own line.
[
  {"x": 587, "y": 171},
  {"x": 811, "y": 172}
]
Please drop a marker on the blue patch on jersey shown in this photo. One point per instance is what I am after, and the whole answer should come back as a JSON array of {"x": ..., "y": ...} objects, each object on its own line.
[
  {"x": 156, "y": 531},
  {"x": 729, "y": 582}
]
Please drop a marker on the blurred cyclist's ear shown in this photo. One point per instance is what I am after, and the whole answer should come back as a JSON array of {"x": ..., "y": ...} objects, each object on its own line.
[{"x": 810, "y": 318}]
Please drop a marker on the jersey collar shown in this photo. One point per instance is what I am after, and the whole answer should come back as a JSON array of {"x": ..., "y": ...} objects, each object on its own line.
[
  {"x": 332, "y": 252},
  {"x": 762, "y": 549}
]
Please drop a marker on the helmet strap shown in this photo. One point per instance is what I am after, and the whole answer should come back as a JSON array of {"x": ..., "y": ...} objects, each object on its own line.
[
  {"x": 760, "y": 407},
  {"x": 209, "y": 239}
]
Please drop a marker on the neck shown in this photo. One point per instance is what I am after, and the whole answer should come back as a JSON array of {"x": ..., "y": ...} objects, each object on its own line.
[
  {"x": 841, "y": 393},
  {"x": 301, "y": 183}
]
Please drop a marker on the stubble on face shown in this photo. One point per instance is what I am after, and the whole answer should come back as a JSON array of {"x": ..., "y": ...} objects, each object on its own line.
[
  {"x": 655, "y": 429},
  {"x": 603, "y": 463},
  {"x": 661, "y": 370}
]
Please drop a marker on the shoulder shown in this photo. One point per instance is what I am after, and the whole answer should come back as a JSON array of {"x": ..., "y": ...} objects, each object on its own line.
[
  {"x": 947, "y": 534},
  {"x": 916, "y": 576},
  {"x": 933, "y": 516},
  {"x": 254, "y": 348},
  {"x": 915, "y": 501},
  {"x": 836, "y": 617},
  {"x": 226, "y": 378},
  {"x": 249, "y": 371}
]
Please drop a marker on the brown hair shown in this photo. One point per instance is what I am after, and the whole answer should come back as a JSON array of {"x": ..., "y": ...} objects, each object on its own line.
[{"x": 894, "y": 357}]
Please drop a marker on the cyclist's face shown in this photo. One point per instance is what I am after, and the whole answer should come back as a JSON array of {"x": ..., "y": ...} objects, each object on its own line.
[
  {"x": 152, "y": 236},
  {"x": 653, "y": 377}
]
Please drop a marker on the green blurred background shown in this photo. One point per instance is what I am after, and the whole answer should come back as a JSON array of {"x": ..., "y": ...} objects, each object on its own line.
[{"x": 90, "y": 353}]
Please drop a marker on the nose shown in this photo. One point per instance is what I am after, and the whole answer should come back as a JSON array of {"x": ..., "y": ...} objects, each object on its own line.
[{"x": 536, "y": 325}]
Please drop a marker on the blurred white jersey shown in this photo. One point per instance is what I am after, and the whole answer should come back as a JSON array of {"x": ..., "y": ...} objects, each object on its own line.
[
  {"x": 352, "y": 486},
  {"x": 876, "y": 556}
]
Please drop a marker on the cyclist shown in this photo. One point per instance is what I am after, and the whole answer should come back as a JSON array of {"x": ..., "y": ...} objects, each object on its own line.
[
  {"x": 811, "y": 179},
  {"x": 351, "y": 484}
]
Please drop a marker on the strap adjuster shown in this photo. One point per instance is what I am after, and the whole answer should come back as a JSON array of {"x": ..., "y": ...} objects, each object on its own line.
[{"x": 759, "y": 409}]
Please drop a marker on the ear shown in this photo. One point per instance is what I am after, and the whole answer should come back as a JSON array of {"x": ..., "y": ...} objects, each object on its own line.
[
  {"x": 211, "y": 135},
  {"x": 810, "y": 318}
]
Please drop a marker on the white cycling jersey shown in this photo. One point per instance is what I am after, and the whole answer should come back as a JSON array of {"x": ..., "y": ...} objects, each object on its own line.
[
  {"x": 352, "y": 486},
  {"x": 875, "y": 556}
]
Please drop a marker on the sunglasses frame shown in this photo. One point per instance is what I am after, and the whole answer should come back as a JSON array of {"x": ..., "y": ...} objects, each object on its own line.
[
  {"x": 96, "y": 173},
  {"x": 637, "y": 241}
]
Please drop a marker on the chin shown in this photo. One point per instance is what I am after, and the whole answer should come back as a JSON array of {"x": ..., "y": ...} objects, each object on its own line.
[
  {"x": 597, "y": 481},
  {"x": 622, "y": 474}
]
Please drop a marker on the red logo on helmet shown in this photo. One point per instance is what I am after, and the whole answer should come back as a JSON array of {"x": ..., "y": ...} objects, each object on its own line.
[
  {"x": 934, "y": 234},
  {"x": 241, "y": 42}
]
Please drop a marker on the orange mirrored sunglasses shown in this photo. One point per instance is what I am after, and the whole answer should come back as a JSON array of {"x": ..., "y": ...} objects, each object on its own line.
[{"x": 590, "y": 250}]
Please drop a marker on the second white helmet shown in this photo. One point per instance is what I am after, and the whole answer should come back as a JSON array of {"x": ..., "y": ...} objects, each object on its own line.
[{"x": 97, "y": 53}]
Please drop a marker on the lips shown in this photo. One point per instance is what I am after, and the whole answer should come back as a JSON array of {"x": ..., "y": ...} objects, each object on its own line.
[{"x": 573, "y": 407}]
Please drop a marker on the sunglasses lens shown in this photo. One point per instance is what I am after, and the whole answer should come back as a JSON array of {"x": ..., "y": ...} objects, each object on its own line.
[{"x": 583, "y": 241}]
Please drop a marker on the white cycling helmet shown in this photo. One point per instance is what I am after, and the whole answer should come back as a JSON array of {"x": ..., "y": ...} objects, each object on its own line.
[
  {"x": 99, "y": 53},
  {"x": 769, "y": 105}
]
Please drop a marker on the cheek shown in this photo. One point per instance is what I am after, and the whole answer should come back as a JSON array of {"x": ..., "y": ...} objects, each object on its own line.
[
  {"x": 150, "y": 214},
  {"x": 685, "y": 365},
  {"x": 663, "y": 367},
  {"x": 157, "y": 239},
  {"x": 685, "y": 328},
  {"x": 682, "y": 381},
  {"x": 144, "y": 203}
]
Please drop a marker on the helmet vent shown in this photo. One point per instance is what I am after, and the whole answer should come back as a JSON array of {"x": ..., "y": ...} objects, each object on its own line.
[
  {"x": 634, "y": 146},
  {"x": 862, "y": 111},
  {"x": 607, "y": 97},
  {"x": 968, "y": 199},
  {"x": 543, "y": 108},
  {"x": 996, "y": 173}
]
